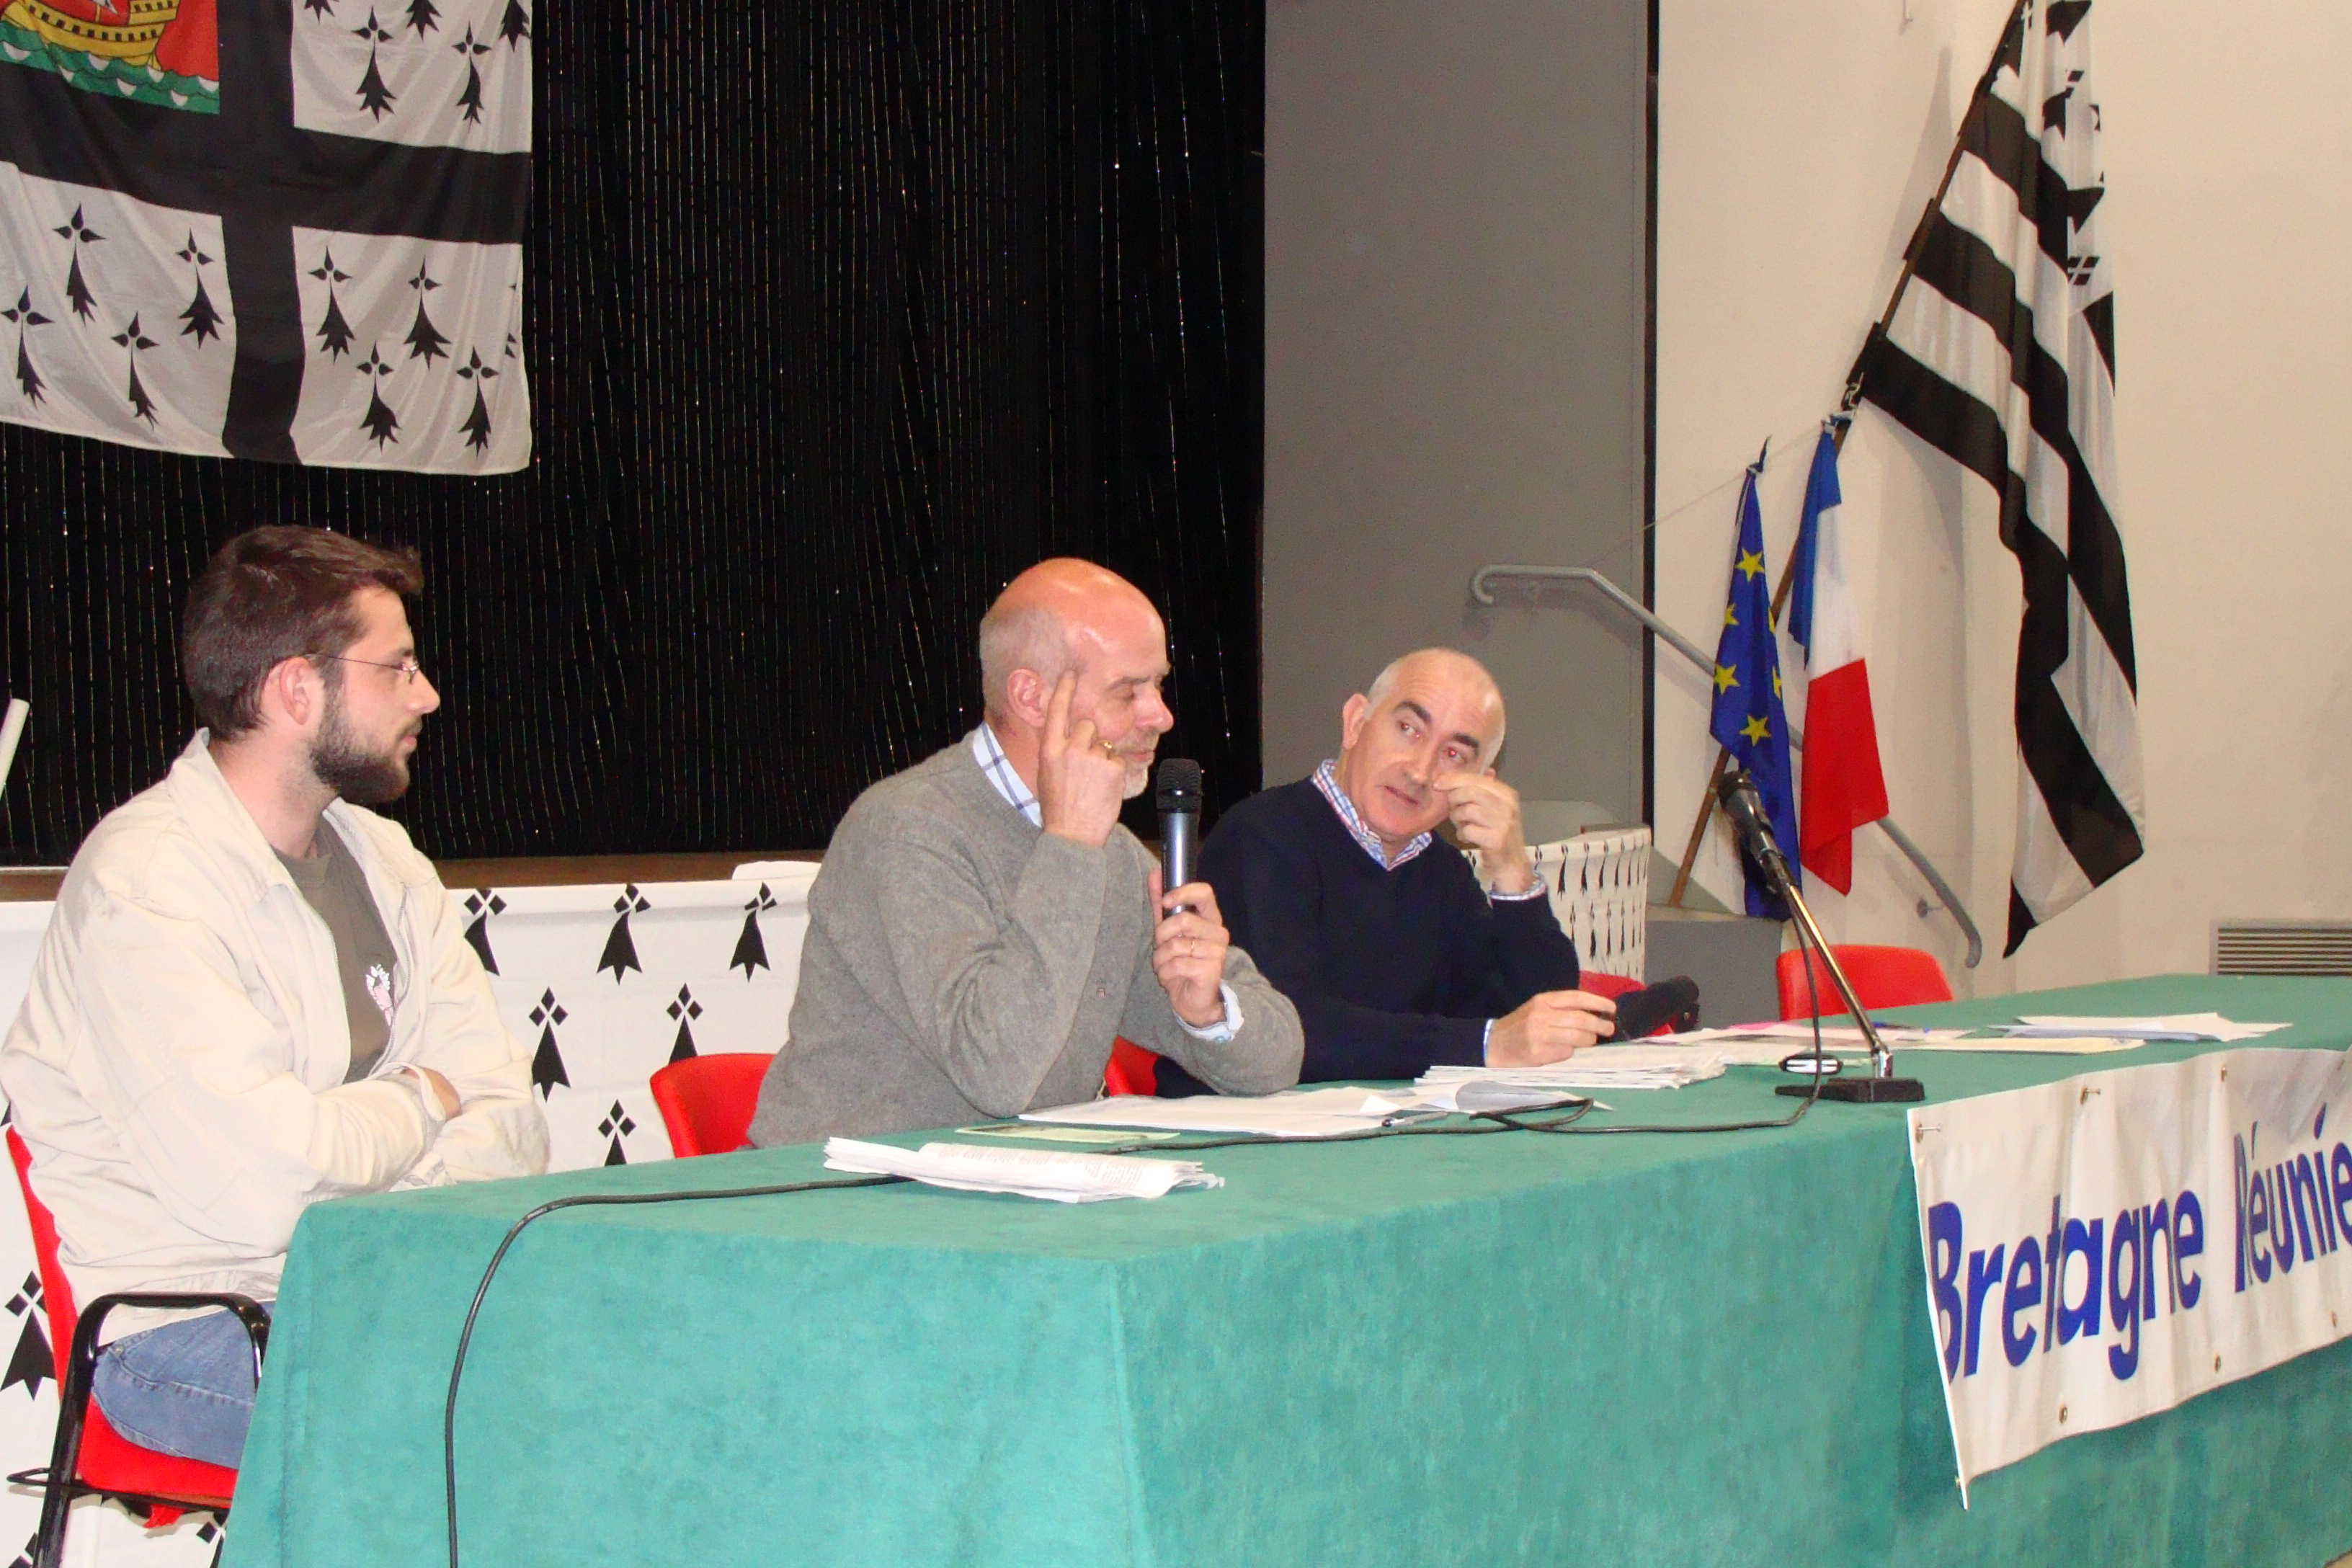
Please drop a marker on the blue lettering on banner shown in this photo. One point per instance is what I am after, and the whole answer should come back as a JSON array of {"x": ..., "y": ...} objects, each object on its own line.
[
  {"x": 2188, "y": 1242},
  {"x": 2122, "y": 1293},
  {"x": 2110, "y": 1292},
  {"x": 2339, "y": 1165},
  {"x": 2298, "y": 1210},
  {"x": 2104, "y": 1279},
  {"x": 2082, "y": 1241},
  {"x": 1943, "y": 1268},
  {"x": 2022, "y": 1295}
]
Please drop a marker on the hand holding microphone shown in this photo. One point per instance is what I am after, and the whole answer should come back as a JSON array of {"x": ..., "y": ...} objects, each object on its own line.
[{"x": 1188, "y": 944}]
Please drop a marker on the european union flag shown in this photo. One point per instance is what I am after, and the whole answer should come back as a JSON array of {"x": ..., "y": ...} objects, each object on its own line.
[{"x": 1747, "y": 717}]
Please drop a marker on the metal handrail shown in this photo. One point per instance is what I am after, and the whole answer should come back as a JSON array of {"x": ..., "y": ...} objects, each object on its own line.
[{"x": 1482, "y": 591}]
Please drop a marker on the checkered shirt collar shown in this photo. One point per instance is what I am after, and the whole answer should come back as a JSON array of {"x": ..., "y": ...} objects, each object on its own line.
[
  {"x": 1327, "y": 779},
  {"x": 990, "y": 755}
]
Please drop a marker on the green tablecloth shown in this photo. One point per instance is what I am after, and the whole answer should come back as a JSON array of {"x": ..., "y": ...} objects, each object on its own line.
[{"x": 1496, "y": 1350}]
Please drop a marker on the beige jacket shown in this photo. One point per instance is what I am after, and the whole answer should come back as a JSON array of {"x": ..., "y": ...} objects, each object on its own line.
[{"x": 177, "y": 1066}]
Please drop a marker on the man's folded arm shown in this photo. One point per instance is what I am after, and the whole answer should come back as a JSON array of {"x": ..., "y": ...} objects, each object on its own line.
[
  {"x": 993, "y": 992},
  {"x": 232, "y": 1144},
  {"x": 500, "y": 1131}
]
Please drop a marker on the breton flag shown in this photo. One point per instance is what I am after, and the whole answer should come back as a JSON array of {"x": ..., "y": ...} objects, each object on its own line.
[
  {"x": 1999, "y": 351},
  {"x": 1746, "y": 716},
  {"x": 1842, "y": 788},
  {"x": 286, "y": 229}
]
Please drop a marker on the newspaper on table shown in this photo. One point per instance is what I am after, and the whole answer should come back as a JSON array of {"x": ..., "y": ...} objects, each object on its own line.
[{"x": 1051, "y": 1174}]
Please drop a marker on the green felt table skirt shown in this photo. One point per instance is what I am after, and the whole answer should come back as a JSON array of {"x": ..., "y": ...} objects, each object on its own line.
[{"x": 1504, "y": 1349}]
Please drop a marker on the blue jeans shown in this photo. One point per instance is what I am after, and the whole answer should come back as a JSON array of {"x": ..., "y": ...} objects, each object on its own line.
[{"x": 185, "y": 1388}]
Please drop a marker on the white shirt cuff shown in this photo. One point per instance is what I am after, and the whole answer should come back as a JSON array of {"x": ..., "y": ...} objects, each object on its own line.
[
  {"x": 1225, "y": 1028},
  {"x": 414, "y": 1077},
  {"x": 1536, "y": 890}
]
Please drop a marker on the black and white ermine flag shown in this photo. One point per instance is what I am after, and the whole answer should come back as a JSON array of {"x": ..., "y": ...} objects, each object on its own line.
[
  {"x": 283, "y": 229},
  {"x": 1999, "y": 352}
]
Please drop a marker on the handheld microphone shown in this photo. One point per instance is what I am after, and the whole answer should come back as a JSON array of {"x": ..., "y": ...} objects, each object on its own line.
[
  {"x": 1669, "y": 1004},
  {"x": 1179, "y": 800}
]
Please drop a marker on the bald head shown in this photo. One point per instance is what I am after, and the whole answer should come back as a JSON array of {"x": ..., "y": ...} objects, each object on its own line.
[
  {"x": 1459, "y": 674},
  {"x": 1432, "y": 714},
  {"x": 1071, "y": 617},
  {"x": 1048, "y": 617}
]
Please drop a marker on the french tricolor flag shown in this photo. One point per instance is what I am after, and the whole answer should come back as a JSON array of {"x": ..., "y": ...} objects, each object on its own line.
[{"x": 1842, "y": 787}]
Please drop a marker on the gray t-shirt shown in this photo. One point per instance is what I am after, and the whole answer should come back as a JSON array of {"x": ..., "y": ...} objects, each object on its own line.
[{"x": 336, "y": 887}]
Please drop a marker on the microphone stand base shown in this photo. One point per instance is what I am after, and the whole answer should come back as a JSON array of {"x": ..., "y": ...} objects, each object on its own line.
[{"x": 1862, "y": 1091}]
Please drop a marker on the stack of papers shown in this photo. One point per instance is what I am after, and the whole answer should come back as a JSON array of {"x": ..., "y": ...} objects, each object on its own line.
[
  {"x": 1293, "y": 1113},
  {"x": 2036, "y": 1045},
  {"x": 1064, "y": 1178},
  {"x": 1658, "y": 1064},
  {"x": 2167, "y": 1027},
  {"x": 1763, "y": 1045}
]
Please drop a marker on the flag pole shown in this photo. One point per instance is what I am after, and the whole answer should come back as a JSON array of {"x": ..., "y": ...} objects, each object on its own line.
[
  {"x": 1722, "y": 755},
  {"x": 1918, "y": 245},
  {"x": 1847, "y": 405}
]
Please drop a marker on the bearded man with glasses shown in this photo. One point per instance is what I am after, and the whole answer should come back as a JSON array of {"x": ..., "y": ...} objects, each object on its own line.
[{"x": 254, "y": 992}]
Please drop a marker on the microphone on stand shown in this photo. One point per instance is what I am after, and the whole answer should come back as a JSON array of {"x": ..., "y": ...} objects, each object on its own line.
[
  {"x": 1745, "y": 809},
  {"x": 1179, "y": 800}
]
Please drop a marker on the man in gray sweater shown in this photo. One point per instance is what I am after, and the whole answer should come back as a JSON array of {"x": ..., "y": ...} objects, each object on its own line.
[{"x": 984, "y": 926}]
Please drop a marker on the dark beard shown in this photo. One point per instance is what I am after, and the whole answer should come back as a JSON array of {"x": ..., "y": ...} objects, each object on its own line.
[{"x": 355, "y": 775}]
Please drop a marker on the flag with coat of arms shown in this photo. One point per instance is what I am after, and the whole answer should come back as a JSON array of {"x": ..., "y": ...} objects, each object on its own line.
[
  {"x": 1747, "y": 717},
  {"x": 282, "y": 229}
]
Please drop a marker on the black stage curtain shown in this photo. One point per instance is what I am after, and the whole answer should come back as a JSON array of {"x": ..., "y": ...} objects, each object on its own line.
[{"x": 840, "y": 313}]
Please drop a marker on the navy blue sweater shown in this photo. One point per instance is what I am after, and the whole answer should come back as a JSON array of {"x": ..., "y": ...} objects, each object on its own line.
[{"x": 1391, "y": 970}]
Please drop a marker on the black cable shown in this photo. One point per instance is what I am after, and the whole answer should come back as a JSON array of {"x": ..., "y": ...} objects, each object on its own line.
[
  {"x": 583, "y": 1200},
  {"x": 1577, "y": 1106}
]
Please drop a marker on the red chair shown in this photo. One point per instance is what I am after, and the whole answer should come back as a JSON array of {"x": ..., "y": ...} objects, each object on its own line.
[
  {"x": 1882, "y": 977},
  {"x": 1610, "y": 985},
  {"x": 707, "y": 1101},
  {"x": 1613, "y": 986},
  {"x": 89, "y": 1457},
  {"x": 1131, "y": 1069}
]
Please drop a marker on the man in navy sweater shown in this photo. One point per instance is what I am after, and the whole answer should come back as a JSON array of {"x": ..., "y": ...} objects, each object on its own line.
[{"x": 1380, "y": 935}]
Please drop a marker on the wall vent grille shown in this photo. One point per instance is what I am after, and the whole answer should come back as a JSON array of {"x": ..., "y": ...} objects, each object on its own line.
[{"x": 2282, "y": 947}]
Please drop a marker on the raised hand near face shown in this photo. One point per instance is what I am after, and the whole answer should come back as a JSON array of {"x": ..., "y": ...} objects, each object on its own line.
[
  {"x": 1081, "y": 780},
  {"x": 1485, "y": 812}
]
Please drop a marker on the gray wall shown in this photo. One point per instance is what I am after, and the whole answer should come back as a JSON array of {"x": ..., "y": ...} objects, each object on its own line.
[{"x": 1454, "y": 237}]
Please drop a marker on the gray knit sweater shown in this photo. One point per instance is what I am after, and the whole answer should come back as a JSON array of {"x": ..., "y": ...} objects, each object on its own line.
[{"x": 961, "y": 966}]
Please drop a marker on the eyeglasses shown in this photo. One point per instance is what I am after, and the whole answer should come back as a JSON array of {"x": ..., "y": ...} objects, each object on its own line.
[{"x": 408, "y": 668}]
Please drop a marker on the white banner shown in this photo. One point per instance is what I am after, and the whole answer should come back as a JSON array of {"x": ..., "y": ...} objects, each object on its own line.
[{"x": 2107, "y": 1246}]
